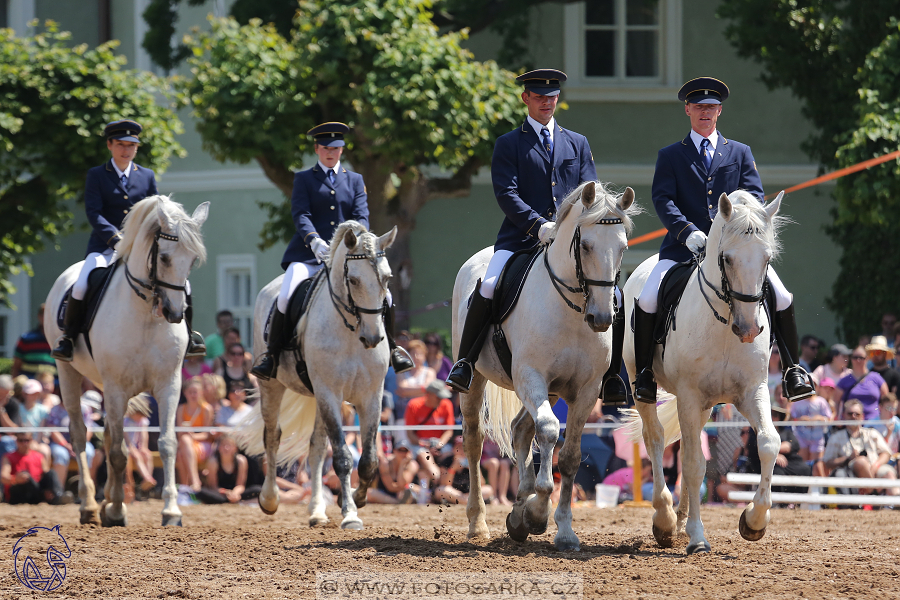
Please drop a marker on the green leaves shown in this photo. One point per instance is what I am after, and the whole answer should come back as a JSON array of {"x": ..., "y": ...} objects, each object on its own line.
[{"x": 54, "y": 102}]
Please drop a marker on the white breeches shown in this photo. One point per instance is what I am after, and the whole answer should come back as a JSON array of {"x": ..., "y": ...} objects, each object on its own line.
[
  {"x": 296, "y": 273},
  {"x": 94, "y": 260},
  {"x": 650, "y": 294}
]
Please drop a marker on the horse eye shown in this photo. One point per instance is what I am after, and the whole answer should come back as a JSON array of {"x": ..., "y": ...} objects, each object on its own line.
[
  {"x": 165, "y": 259},
  {"x": 195, "y": 262},
  {"x": 585, "y": 247},
  {"x": 353, "y": 280},
  {"x": 727, "y": 260}
]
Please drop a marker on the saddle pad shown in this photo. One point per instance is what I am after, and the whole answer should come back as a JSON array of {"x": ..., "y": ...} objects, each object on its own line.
[
  {"x": 511, "y": 280},
  {"x": 670, "y": 291},
  {"x": 297, "y": 305},
  {"x": 98, "y": 282}
]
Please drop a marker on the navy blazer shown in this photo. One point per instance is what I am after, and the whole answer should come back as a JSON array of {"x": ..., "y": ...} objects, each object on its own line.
[
  {"x": 530, "y": 185},
  {"x": 686, "y": 197},
  {"x": 107, "y": 201},
  {"x": 318, "y": 208}
]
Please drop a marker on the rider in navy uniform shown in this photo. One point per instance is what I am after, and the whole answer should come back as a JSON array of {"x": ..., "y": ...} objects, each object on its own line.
[
  {"x": 690, "y": 176},
  {"x": 110, "y": 192},
  {"x": 533, "y": 168},
  {"x": 323, "y": 197}
]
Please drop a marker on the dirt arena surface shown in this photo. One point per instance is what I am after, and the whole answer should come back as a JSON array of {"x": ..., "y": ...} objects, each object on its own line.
[{"x": 238, "y": 552}]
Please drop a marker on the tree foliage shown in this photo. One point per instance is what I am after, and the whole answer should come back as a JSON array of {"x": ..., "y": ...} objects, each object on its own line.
[
  {"x": 54, "y": 101},
  {"x": 424, "y": 113}
]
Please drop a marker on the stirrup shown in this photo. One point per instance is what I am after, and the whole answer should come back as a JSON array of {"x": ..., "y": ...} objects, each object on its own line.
[
  {"x": 806, "y": 389},
  {"x": 401, "y": 361},
  {"x": 642, "y": 387},
  {"x": 613, "y": 393},
  {"x": 65, "y": 349},
  {"x": 464, "y": 373},
  {"x": 266, "y": 369},
  {"x": 196, "y": 346}
]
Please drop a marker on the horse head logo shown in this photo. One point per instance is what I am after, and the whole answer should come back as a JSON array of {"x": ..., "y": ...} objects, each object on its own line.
[{"x": 40, "y": 558}]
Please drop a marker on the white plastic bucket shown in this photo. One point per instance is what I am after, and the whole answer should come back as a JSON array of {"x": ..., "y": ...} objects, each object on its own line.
[{"x": 607, "y": 495}]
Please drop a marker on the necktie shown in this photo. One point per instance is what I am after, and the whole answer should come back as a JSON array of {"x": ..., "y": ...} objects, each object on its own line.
[
  {"x": 548, "y": 143},
  {"x": 124, "y": 180},
  {"x": 331, "y": 176},
  {"x": 707, "y": 153}
]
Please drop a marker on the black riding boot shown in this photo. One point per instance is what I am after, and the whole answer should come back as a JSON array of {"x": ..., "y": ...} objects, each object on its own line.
[
  {"x": 795, "y": 380},
  {"x": 196, "y": 345},
  {"x": 644, "y": 347},
  {"x": 268, "y": 365},
  {"x": 613, "y": 389},
  {"x": 401, "y": 361},
  {"x": 65, "y": 346},
  {"x": 475, "y": 328}
]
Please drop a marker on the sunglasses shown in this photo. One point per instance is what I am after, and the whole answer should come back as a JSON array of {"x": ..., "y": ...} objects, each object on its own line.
[
  {"x": 854, "y": 414},
  {"x": 855, "y": 357},
  {"x": 25, "y": 441}
]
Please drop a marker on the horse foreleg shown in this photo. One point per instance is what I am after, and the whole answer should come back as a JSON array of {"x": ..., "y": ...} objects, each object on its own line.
[
  {"x": 569, "y": 461},
  {"x": 329, "y": 407},
  {"x": 693, "y": 469},
  {"x": 317, "y": 447},
  {"x": 70, "y": 388},
  {"x": 369, "y": 416},
  {"x": 168, "y": 448},
  {"x": 271, "y": 394},
  {"x": 664, "y": 519},
  {"x": 755, "y": 517},
  {"x": 522, "y": 437},
  {"x": 113, "y": 513},
  {"x": 534, "y": 397},
  {"x": 473, "y": 436}
]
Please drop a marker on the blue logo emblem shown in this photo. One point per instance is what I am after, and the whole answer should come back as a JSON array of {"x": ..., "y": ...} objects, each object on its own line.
[{"x": 40, "y": 557}]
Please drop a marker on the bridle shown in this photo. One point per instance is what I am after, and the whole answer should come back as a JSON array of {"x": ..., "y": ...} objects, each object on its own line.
[
  {"x": 350, "y": 306},
  {"x": 154, "y": 284},
  {"x": 728, "y": 295},
  {"x": 584, "y": 284}
]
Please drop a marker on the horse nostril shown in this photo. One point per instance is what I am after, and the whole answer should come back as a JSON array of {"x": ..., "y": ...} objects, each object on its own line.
[{"x": 735, "y": 329}]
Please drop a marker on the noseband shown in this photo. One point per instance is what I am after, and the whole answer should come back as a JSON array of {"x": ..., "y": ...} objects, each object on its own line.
[
  {"x": 728, "y": 295},
  {"x": 584, "y": 284},
  {"x": 155, "y": 283},
  {"x": 350, "y": 306}
]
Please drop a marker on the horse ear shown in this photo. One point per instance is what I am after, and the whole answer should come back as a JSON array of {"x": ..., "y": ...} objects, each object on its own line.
[
  {"x": 200, "y": 214},
  {"x": 774, "y": 205},
  {"x": 725, "y": 207},
  {"x": 165, "y": 221},
  {"x": 588, "y": 193},
  {"x": 350, "y": 239},
  {"x": 387, "y": 239},
  {"x": 627, "y": 199}
]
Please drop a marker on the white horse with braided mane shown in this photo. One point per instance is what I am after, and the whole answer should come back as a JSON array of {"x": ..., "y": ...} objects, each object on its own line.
[
  {"x": 557, "y": 352},
  {"x": 343, "y": 342},
  {"x": 706, "y": 363},
  {"x": 138, "y": 343}
]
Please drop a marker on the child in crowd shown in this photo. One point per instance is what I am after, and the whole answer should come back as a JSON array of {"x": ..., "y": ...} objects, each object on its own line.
[{"x": 812, "y": 439}]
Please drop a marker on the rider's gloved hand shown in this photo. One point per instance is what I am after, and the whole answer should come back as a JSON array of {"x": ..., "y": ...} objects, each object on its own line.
[
  {"x": 319, "y": 248},
  {"x": 544, "y": 233},
  {"x": 696, "y": 242}
]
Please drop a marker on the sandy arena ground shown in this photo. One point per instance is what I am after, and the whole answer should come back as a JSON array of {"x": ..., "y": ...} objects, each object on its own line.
[{"x": 238, "y": 552}]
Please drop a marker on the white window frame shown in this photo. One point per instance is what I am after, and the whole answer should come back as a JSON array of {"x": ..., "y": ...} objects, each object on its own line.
[
  {"x": 142, "y": 60},
  {"x": 18, "y": 14},
  {"x": 663, "y": 88},
  {"x": 18, "y": 320},
  {"x": 243, "y": 315}
]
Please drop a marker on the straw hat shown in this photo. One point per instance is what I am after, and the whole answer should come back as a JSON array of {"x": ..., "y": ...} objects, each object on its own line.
[{"x": 879, "y": 342}]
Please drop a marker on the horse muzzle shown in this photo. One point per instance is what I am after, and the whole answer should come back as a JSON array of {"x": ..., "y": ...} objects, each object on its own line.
[
  {"x": 598, "y": 323},
  {"x": 167, "y": 312},
  {"x": 747, "y": 334},
  {"x": 370, "y": 341}
]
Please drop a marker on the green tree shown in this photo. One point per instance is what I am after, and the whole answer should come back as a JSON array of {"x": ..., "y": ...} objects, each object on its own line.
[
  {"x": 54, "y": 102},
  {"x": 424, "y": 113}
]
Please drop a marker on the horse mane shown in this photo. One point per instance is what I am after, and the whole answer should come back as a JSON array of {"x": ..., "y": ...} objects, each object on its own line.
[
  {"x": 142, "y": 222},
  {"x": 605, "y": 201},
  {"x": 365, "y": 244},
  {"x": 749, "y": 217}
]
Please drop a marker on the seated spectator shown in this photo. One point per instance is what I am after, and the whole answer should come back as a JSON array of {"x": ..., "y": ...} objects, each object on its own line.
[
  {"x": 235, "y": 366},
  {"x": 194, "y": 366},
  {"x": 809, "y": 353},
  {"x": 498, "y": 469},
  {"x": 227, "y": 478},
  {"x": 858, "y": 451},
  {"x": 229, "y": 338},
  {"x": 861, "y": 384},
  {"x": 215, "y": 391},
  {"x": 412, "y": 384},
  {"x": 835, "y": 365},
  {"x": 454, "y": 483},
  {"x": 61, "y": 443},
  {"x": 32, "y": 353},
  {"x": 33, "y": 412},
  {"x": 27, "y": 478},
  {"x": 624, "y": 479},
  {"x": 595, "y": 451},
  {"x": 194, "y": 448},
  {"x": 215, "y": 345},
  {"x": 739, "y": 464},
  {"x": 434, "y": 408},
  {"x": 812, "y": 439},
  {"x": 879, "y": 354},
  {"x": 10, "y": 415},
  {"x": 435, "y": 358},
  {"x": 48, "y": 389},
  {"x": 890, "y": 431},
  {"x": 386, "y": 445},
  {"x": 394, "y": 480},
  {"x": 139, "y": 457},
  {"x": 788, "y": 461},
  {"x": 237, "y": 409}
]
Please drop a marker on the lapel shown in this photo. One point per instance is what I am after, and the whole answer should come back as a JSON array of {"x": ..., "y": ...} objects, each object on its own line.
[
  {"x": 322, "y": 176},
  {"x": 693, "y": 156},
  {"x": 114, "y": 177},
  {"x": 721, "y": 153},
  {"x": 562, "y": 149},
  {"x": 530, "y": 138}
]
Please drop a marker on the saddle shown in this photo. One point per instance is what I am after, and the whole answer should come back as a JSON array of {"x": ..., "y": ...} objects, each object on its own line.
[
  {"x": 98, "y": 282},
  {"x": 506, "y": 295}
]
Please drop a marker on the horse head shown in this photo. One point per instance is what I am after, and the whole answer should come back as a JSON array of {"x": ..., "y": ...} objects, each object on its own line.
[
  {"x": 597, "y": 238},
  {"x": 170, "y": 239},
  {"x": 359, "y": 277},
  {"x": 744, "y": 234}
]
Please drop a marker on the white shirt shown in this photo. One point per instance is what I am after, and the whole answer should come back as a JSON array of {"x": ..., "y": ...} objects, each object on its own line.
[
  {"x": 127, "y": 171},
  {"x": 698, "y": 139},
  {"x": 537, "y": 127},
  {"x": 335, "y": 169}
]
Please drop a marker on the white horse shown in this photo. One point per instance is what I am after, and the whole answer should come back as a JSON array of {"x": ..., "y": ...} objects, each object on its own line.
[
  {"x": 343, "y": 342},
  {"x": 138, "y": 343},
  {"x": 556, "y": 353},
  {"x": 706, "y": 362}
]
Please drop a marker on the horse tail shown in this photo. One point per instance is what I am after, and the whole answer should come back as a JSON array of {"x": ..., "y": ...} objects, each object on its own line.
[
  {"x": 666, "y": 411},
  {"x": 296, "y": 420},
  {"x": 498, "y": 410}
]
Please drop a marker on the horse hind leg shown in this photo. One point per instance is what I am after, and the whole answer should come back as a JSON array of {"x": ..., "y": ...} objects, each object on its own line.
[
  {"x": 70, "y": 388},
  {"x": 473, "y": 436},
  {"x": 317, "y": 449},
  {"x": 523, "y": 436},
  {"x": 271, "y": 393},
  {"x": 664, "y": 518}
]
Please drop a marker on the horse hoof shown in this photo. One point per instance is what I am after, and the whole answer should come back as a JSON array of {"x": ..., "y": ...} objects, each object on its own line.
[
  {"x": 665, "y": 539},
  {"x": 520, "y": 533},
  {"x": 537, "y": 529},
  {"x": 266, "y": 510},
  {"x": 90, "y": 517},
  {"x": 568, "y": 545},
  {"x": 106, "y": 521},
  {"x": 751, "y": 535},
  {"x": 354, "y": 524},
  {"x": 171, "y": 521},
  {"x": 698, "y": 548},
  {"x": 317, "y": 521}
]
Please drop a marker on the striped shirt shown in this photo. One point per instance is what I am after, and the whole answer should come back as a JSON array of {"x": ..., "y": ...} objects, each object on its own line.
[{"x": 34, "y": 352}]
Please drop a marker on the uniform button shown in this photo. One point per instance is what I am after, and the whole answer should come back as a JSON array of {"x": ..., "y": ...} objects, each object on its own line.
[
  {"x": 332, "y": 222},
  {"x": 125, "y": 211},
  {"x": 126, "y": 196},
  {"x": 709, "y": 179},
  {"x": 332, "y": 208},
  {"x": 554, "y": 198},
  {"x": 710, "y": 205},
  {"x": 332, "y": 192},
  {"x": 552, "y": 183},
  {"x": 709, "y": 192}
]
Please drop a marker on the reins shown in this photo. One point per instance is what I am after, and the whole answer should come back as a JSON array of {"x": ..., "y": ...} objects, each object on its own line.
[
  {"x": 584, "y": 284},
  {"x": 154, "y": 282},
  {"x": 350, "y": 306}
]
